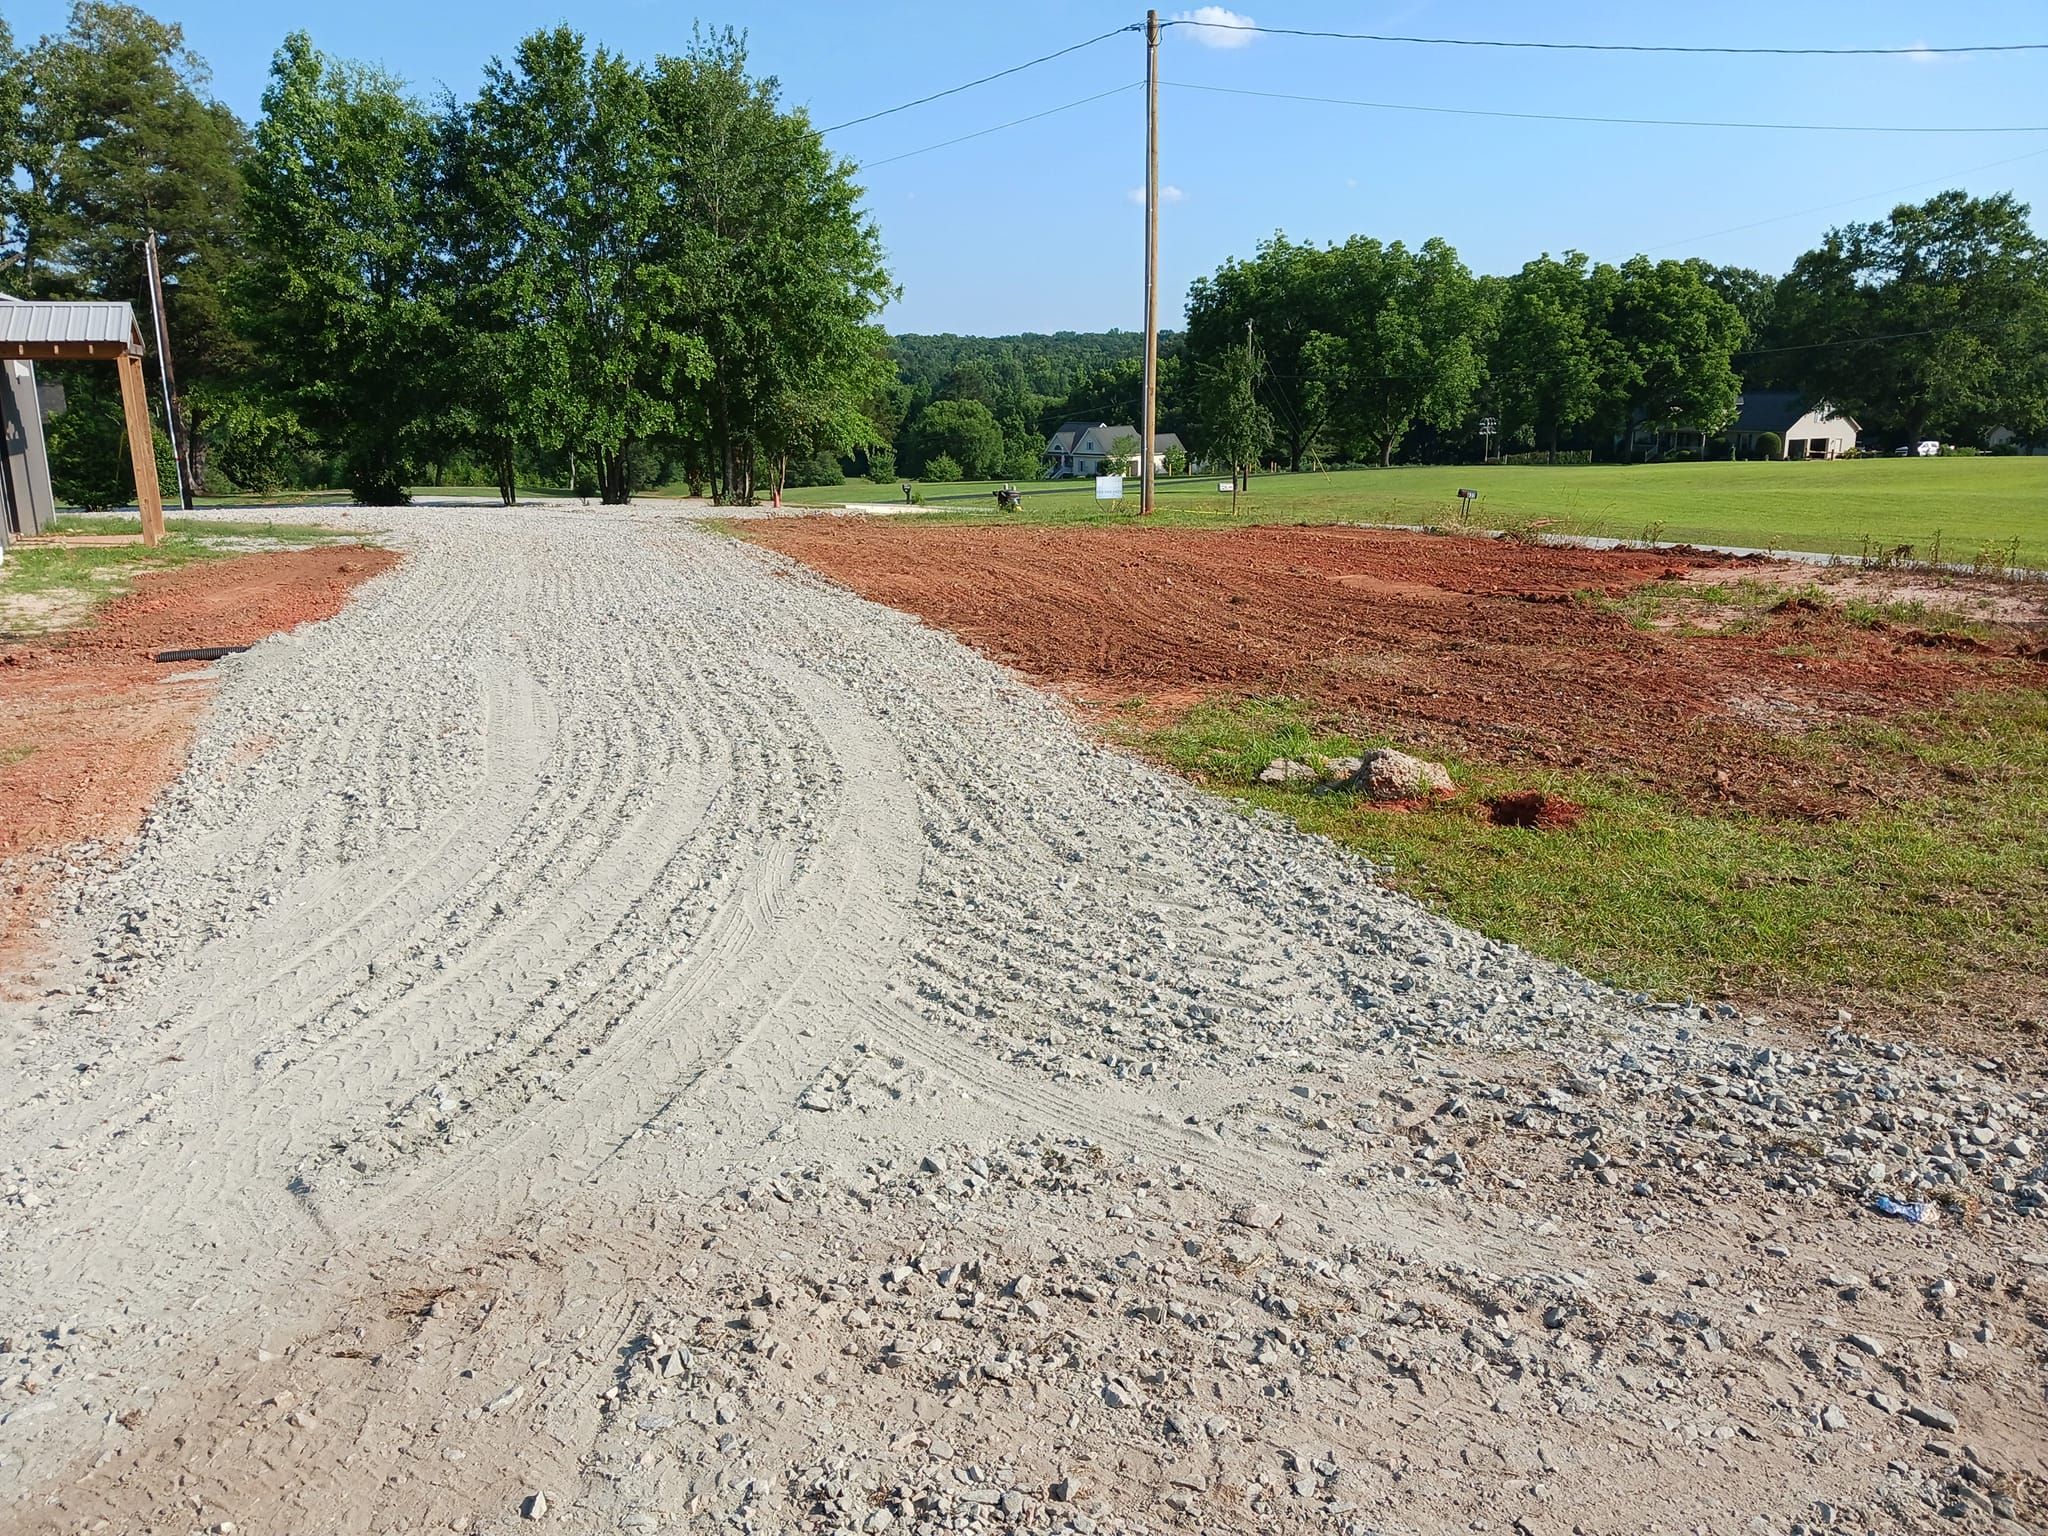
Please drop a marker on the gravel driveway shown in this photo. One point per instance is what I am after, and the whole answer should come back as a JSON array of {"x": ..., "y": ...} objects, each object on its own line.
[{"x": 614, "y": 1030}]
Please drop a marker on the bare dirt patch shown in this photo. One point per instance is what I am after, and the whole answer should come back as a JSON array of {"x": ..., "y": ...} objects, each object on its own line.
[
  {"x": 92, "y": 728},
  {"x": 1980, "y": 598},
  {"x": 1504, "y": 652}
]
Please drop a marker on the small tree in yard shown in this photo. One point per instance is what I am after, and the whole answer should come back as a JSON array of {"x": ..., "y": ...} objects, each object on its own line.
[
  {"x": 943, "y": 468},
  {"x": 1123, "y": 455},
  {"x": 1238, "y": 426},
  {"x": 1769, "y": 445}
]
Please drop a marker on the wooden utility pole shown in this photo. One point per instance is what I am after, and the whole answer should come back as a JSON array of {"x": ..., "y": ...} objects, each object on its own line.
[
  {"x": 163, "y": 370},
  {"x": 1150, "y": 428}
]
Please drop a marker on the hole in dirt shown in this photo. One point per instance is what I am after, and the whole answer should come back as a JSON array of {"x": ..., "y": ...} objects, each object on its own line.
[{"x": 1533, "y": 808}]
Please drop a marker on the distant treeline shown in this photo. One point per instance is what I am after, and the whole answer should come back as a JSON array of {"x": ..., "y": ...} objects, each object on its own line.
[{"x": 1930, "y": 322}]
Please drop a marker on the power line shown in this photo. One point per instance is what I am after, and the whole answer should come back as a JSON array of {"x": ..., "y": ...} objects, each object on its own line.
[
  {"x": 1860, "y": 341},
  {"x": 985, "y": 79},
  {"x": 1560, "y": 117},
  {"x": 1495, "y": 42},
  {"x": 982, "y": 133},
  {"x": 1847, "y": 202}
]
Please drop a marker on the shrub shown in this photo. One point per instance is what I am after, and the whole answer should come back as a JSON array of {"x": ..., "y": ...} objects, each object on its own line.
[
  {"x": 88, "y": 455},
  {"x": 1023, "y": 461},
  {"x": 942, "y": 468},
  {"x": 1768, "y": 446},
  {"x": 881, "y": 465},
  {"x": 815, "y": 469}
]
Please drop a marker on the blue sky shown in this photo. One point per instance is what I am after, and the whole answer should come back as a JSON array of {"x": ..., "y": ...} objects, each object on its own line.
[{"x": 1034, "y": 228}]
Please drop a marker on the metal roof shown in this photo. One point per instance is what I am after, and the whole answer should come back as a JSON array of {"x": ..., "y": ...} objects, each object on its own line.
[{"x": 69, "y": 320}]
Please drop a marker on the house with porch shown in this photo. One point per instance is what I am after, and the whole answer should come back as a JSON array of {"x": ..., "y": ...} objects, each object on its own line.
[
  {"x": 1079, "y": 449},
  {"x": 1816, "y": 431}
]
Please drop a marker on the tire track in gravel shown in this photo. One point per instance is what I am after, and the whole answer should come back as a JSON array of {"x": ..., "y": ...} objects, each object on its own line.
[{"x": 696, "y": 834}]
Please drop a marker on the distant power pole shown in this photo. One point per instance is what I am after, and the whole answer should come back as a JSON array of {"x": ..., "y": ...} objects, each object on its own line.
[
  {"x": 163, "y": 370},
  {"x": 1150, "y": 429}
]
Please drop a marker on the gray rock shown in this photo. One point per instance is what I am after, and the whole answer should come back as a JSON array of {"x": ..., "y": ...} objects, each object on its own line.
[
  {"x": 1932, "y": 1417},
  {"x": 1285, "y": 770},
  {"x": 1391, "y": 775}
]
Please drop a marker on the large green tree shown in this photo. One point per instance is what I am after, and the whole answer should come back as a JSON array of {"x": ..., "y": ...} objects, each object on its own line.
[
  {"x": 342, "y": 297},
  {"x": 1672, "y": 344},
  {"x": 117, "y": 133},
  {"x": 567, "y": 315},
  {"x": 780, "y": 272},
  {"x": 1931, "y": 320},
  {"x": 1407, "y": 344},
  {"x": 1553, "y": 356},
  {"x": 964, "y": 431},
  {"x": 1281, "y": 294}
]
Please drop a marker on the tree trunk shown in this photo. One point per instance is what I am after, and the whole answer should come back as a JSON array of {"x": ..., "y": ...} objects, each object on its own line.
[
  {"x": 508, "y": 485},
  {"x": 1387, "y": 454},
  {"x": 195, "y": 450}
]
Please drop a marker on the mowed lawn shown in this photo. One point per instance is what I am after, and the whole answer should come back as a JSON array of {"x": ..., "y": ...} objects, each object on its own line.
[{"x": 1964, "y": 510}]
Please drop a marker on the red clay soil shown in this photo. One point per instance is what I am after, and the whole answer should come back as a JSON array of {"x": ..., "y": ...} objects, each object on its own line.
[
  {"x": 1533, "y": 808},
  {"x": 91, "y": 728},
  {"x": 1488, "y": 649}
]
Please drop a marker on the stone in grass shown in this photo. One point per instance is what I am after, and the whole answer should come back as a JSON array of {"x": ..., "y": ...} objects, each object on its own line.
[
  {"x": 1285, "y": 770},
  {"x": 1390, "y": 775}
]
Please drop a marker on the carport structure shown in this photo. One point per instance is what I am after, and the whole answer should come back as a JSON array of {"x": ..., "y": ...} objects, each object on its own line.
[{"x": 93, "y": 330}]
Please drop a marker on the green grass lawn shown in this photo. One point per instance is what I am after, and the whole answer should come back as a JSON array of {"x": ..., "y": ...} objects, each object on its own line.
[
  {"x": 1951, "y": 509},
  {"x": 1901, "y": 907}
]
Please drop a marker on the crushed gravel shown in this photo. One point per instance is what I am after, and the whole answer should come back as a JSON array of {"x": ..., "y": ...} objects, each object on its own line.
[{"x": 627, "y": 1034}]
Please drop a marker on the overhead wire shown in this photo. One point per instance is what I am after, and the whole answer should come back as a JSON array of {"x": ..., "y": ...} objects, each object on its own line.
[
  {"x": 955, "y": 90},
  {"x": 1915, "y": 51},
  {"x": 1566, "y": 117},
  {"x": 982, "y": 133},
  {"x": 1846, "y": 202}
]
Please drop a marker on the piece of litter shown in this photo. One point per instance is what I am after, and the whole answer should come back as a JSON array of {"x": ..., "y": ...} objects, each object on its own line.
[{"x": 1922, "y": 1213}]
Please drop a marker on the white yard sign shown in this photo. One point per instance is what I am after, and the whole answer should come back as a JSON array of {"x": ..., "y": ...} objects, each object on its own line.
[{"x": 1109, "y": 487}]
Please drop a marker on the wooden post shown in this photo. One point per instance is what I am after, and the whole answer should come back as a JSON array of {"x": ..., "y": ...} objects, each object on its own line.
[{"x": 141, "y": 449}]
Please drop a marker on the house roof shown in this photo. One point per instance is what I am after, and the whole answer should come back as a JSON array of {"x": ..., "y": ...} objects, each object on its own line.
[
  {"x": 1074, "y": 436},
  {"x": 1773, "y": 410},
  {"x": 49, "y": 324}
]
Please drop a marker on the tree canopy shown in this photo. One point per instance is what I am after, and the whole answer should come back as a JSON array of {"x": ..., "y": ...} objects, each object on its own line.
[{"x": 1932, "y": 319}]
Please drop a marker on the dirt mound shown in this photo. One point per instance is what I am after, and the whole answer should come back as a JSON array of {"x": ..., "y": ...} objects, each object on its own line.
[
  {"x": 91, "y": 728},
  {"x": 1507, "y": 653},
  {"x": 1533, "y": 808}
]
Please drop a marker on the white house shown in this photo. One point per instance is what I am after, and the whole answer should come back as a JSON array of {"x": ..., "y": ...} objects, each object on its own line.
[
  {"x": 2002, "y": 436},
  {"x": 1079, "y": 448},
  {"x": 1818, "y": 431}
]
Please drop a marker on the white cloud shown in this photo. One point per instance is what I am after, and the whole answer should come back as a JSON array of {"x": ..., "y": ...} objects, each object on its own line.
[
  {"x": 1218, "y": 28},
  {"x": 1168, "y": 195}
]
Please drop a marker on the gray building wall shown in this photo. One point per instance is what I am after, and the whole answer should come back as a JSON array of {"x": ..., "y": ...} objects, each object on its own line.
[{"x": 25, "y": 474}]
